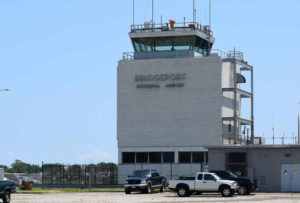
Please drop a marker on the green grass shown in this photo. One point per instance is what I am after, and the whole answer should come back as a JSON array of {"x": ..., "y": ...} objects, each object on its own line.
[{"x": 64, "y": 190}]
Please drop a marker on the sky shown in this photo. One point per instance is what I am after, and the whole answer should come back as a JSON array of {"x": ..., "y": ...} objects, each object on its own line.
[{"x": 59, "y": 60}]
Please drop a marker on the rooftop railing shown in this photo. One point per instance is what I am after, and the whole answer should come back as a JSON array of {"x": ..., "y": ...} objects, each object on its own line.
[
  {"x": 152, "y": 27},
  {"x": 224, "y": 55}
]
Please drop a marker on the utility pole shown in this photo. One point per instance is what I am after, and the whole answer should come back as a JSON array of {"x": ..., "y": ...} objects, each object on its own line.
[
  {"x": 273, "y": 135},
  {"x": 299, "y": 125}
]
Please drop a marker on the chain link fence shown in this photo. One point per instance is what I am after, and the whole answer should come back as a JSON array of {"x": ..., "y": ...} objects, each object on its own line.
[{"x": 59, "y": 174}]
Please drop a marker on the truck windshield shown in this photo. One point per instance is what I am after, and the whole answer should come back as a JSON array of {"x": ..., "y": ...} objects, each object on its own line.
[
  {"x": 234, "y": 175},
  {"x": 217, "y": 177},
  {"x": 141, "y": 174}
]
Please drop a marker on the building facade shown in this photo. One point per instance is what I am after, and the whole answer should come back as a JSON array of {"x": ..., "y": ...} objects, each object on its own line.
[
  {"x": 276, "y": 167},
  {"x": 175, "y": 96}
]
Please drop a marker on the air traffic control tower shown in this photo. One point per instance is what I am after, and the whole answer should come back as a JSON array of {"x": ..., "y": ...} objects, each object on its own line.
[{"x": 175, "y": 96}]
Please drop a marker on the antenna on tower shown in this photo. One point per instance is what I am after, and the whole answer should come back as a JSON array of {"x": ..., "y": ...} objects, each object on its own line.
[
  {"x": 133, "y": 10},
  {"x": 210, "y": 14},
  {"x": 194, "y": 11},
  {"x": 152, "y": 13}
]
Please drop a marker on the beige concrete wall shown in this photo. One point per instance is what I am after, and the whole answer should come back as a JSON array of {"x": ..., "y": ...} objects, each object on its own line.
[
  {"x": 264, "y": 163},
  {"x": 186, "y": 116}
]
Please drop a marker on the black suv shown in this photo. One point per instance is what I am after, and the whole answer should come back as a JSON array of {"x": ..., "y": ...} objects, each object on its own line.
[
  {"x": 145, "y": 181},
  {"x": 246, "y": 184}
]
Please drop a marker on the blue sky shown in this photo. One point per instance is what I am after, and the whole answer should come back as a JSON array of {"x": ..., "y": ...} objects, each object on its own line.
[{"x": 59, "y": 59}]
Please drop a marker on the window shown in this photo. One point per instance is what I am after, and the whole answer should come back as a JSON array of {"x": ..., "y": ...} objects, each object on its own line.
[
  {"x": 183, "y": 43},
  {"x": 142, "y": 157},
  {"x": 184, "y": 157},
  {"x": 168, "y": 157},
  {"x": 155, "y": 173},
  {"x": 155, "y": 157},
  {"x": 236, "y": 157},
  {"x": 128, "y": 157},
  {"x": 209, "y": 177},
  {"x": 200, "y": 176},
  {"x": 206, "y": 157},
  {"x": 198, "y": 157}
]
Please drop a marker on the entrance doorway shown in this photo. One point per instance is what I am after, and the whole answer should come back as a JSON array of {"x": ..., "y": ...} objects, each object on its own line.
[{"x": 290, "y": 177}]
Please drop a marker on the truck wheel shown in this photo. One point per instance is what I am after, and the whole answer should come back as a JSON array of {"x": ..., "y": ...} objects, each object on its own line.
[
  {"x": 6, "y": 197},
  {"x": 183, "y": 191},
  {"x": 243, "y": 190},
  {"x": 162, "y": 188},
  {"x": 148, "y": 190},
  {"x": 226, "y": 192},
  {"x": 127, "y": 191}
]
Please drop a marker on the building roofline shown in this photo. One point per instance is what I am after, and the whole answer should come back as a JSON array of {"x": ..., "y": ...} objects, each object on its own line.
[{"x": 253, "y": 146}]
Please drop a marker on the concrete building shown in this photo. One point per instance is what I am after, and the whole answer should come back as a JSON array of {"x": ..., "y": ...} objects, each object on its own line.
[
  {"x": 175, "y": 97},
  {"x": 276, "y": 167}
]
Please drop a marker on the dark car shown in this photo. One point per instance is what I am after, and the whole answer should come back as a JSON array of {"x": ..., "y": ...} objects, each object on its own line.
[
  {"x": 6, "y": 189},
  {"x": 246, "y": 184},
  {"x": 145, "y": 181}
]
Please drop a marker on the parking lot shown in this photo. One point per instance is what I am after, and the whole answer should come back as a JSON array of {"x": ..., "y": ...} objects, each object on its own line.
[{"x": 118, "y": 197}]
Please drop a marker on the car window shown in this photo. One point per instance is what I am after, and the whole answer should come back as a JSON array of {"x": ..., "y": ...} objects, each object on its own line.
[
  {"x": 200, "y": 176},
  {"x": 209, "y": 177},
  {"x": 155, "y": 174}
]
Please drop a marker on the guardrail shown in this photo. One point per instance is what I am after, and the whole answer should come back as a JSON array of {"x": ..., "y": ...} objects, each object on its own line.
[{"x": 161, "y": 27}]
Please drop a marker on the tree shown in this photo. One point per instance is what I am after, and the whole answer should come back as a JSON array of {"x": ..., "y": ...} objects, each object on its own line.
[
  {"x": 21, "y": 167},
  {"x": 4, "y": 167}
]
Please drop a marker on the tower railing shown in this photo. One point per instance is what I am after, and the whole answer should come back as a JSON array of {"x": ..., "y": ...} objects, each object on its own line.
[{"x": 161, "y": 27}]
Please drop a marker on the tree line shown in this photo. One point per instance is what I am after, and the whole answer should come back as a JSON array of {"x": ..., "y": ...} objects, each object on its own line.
[{"x": 20, "y": 167}]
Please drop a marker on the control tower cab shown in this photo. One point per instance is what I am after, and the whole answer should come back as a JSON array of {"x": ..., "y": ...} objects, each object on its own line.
[{"x": 171, "y": 40}]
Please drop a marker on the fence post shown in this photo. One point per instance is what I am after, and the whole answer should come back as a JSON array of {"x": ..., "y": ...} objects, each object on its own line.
[{"x": 42, "y": 175}]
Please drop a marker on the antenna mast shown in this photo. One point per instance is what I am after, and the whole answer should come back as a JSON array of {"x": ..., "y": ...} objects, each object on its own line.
[
  {"x": 299, "y": 125},
  {"x": 133, "y": 10},
  {"x": 210, "y": 14},
  {"x": 194, "y": 11},
  {"x": 152, "y": 13}
]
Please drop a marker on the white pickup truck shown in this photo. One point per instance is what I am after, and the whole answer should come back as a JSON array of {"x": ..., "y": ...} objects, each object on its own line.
[{"x": 203, "y": 182}]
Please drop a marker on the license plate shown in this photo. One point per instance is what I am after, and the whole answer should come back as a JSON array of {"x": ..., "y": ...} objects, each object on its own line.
[{"x": 133, "y": 187}]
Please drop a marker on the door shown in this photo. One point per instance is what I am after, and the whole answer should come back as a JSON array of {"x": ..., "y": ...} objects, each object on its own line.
[
  {"x": 155, "y": 178},
  {"x": 199, "y": 183},
  {"x": 290, "y": 177},
  {"x": 210, "y": 182}
]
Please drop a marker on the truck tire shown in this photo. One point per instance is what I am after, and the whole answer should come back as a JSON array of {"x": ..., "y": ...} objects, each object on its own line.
[
  {"x": 148, "y": 190},
  {"x": 127, "y": 191},
  {"x": 6, "y": 197},
  {"x": 243, "y": 190},
  {"x": 183, "y": 191},
  {"x": 226, "y": 191},
  {"x": 162, "y": 188}
]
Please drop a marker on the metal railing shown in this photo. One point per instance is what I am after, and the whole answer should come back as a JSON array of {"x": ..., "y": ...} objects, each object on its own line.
[
  {"x": 238, "y": 55},
  {"x": 221, "y": 53},
  {"x": 149, "y": 27}
]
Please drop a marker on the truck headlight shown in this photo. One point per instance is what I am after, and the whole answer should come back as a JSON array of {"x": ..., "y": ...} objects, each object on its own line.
[
  {"x": 126, "y": 182},
  {"x": 144, "y": 181}
]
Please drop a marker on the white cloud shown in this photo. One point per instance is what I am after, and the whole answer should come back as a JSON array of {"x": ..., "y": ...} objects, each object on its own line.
[
  {"x": 11, "y": 153},
  {"x": 95, "y": 155}
]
